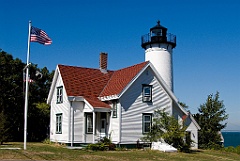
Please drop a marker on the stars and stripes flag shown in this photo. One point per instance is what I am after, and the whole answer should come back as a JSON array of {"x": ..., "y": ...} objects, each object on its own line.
[{"x": 40, "y": 36}]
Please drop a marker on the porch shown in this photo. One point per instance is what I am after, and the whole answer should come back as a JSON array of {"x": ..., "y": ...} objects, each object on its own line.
[{"x": 93, "y": 127}]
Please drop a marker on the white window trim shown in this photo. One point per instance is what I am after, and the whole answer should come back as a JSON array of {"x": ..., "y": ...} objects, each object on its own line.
[
  {"x": 59, "y": 123},
  {"x": 144, "y": 122},
  {"x": 146, "y": 96},
  {"x": 114, "y": 110},
  {"x": 60, "y": 94},
  {"x": 88, "y": 125}
]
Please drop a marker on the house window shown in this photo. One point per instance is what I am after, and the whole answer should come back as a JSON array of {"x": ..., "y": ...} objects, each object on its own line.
[
  {"x": 59, "y": 123},
  {"x": 146, "y": 93},
  {"x": 89, "y": 122},
  {"x": 60, "y": 94},
  {"x": 114, "y": 110},
  {"x": 147, "y": 122}
]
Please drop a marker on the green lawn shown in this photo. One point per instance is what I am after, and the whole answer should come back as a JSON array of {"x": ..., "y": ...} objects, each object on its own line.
[{"x": 40, "y": 151}]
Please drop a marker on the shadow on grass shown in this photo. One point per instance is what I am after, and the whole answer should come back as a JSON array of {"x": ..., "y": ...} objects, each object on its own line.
[{"x": 192, "y": 151}]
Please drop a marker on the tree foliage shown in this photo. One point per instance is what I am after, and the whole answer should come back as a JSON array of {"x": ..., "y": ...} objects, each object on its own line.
[
  {"x": 210, "y": 117},
  {"x": 168, "y": 128},
  {"x": 3, "y": 128},
  {"x": 11, "y": 99},
  {"x": 12, "y": 88},
  {"x": 184, "y": 105}
]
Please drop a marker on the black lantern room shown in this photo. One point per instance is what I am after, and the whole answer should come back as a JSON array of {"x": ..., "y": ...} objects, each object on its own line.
[{"x": 158, "y": 34}]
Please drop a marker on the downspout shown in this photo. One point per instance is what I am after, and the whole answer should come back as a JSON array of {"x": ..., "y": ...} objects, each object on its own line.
[
  {"x": 69, "y": 123},
  {"x": 72, "y": 140},
  {"x": 94, "y": 115},
  {"x": 107, "y": 125},
  {"x": 84, "y": 126}
]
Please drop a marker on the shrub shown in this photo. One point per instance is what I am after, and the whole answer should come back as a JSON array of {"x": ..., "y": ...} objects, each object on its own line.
[
  {"x": 232, "y": 149},
  {"x": 103, "y": 144},
  {"x": 98, "y": 146},
  {"x": 185, "y": 148},
  {"x": 238, "y": 149},
  {"x": 211, "y": 145},
  {"x": 47, "y": 141},
  {"x": 105, "y": 140}
]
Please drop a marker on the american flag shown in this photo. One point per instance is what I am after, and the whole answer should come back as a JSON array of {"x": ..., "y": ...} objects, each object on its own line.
[{"x": 40, "y": 36}]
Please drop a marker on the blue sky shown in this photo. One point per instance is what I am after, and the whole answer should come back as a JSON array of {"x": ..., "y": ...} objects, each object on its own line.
[{"x": 205, "y": 60}]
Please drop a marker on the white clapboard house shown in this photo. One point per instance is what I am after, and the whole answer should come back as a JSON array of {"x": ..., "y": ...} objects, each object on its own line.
[{"x": 88, "y": 104}]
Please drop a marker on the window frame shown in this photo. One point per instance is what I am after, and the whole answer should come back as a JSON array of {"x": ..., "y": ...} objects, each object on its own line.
[
  {"x": 146, "y": 96},
  {"x": 59, "y": 94},
  {"x": 89, "y": 115},
  {"x": 59, "y": 123},
  {"x": 144, "y": 128},
  {"x": 114, "y": 110}
]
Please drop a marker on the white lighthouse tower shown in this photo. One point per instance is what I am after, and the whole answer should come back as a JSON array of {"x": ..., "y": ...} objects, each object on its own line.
[{"x": 158, "y": 45}]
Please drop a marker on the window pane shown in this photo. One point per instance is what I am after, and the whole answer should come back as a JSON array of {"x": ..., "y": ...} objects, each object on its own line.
[
  {"x": 59, "y": 123},
  {"x": 56, "y": 126},
  {"x": 147, "y": 118},
  {"x": 147, "y": 91},
  {"x": 59, "y": 94},
  {"x": 147, "y": 121},
  {"x": 89, "y": 124},
  {"x": 114, "y": 109},
  {"x": 114, "y": 113},
  {"x": 147, "y": 127},
  {"x": 60, "y": 98},
  {"x": 60, "y": 128}
]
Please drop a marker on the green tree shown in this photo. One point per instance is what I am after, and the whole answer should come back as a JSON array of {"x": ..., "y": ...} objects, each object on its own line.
[
  {"x": 12, "y": 88},
  {"x": 3, "y": 128},
  {"x": 210, "y": 117},
  {"x": 168, "y": 128},
  {"x": 184, "y": 105},
  {"x": 11, "y": 100}
]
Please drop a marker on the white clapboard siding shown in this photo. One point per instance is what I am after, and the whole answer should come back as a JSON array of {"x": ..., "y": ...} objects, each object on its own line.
[
  {"x": 133, "y": 106},
  {"x": 57, "y": 109}
]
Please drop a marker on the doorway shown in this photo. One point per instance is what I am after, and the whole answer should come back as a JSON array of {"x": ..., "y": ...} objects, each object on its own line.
[{"x": 103, "y": 125}]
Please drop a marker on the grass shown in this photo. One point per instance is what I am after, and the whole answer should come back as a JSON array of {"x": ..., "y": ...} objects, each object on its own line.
[{"x": 40, "y": 151}]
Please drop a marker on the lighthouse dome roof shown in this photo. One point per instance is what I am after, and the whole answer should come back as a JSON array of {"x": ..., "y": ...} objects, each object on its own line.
[{"x": 158, "y": 26}]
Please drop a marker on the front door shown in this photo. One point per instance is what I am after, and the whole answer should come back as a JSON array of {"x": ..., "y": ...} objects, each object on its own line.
[{"x": 103, "y": 128}]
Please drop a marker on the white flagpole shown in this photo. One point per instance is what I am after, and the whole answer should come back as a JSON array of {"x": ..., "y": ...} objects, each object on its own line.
[{"x": 26, "y": 91}]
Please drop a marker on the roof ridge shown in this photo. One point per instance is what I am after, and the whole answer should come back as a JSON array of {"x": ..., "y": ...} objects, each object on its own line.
[
  {"x": 73, "y": 66},
  {"x": 106, "y": 84},
  {"x": 145, "y": 62}
]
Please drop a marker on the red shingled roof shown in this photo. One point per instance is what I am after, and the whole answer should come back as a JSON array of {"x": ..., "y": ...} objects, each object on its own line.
[
  {"x": 121, "y": 78},
  {"x": 92, "y": 83}
]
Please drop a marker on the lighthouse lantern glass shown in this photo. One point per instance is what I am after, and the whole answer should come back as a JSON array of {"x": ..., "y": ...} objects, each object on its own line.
[{"x": 157, "y": 32}]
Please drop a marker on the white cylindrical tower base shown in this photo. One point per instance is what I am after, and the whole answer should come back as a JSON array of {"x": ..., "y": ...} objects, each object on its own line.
[{"x": 160, "y": 55}]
